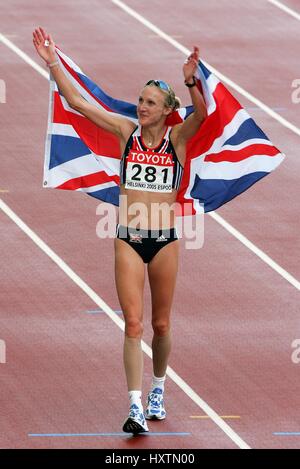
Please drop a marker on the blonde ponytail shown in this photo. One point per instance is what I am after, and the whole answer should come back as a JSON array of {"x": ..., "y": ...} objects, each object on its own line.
[{"x": 177, "y": 104}]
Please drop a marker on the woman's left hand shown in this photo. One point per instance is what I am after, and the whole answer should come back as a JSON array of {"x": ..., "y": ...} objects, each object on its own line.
[{"x": 191, "y": 64}]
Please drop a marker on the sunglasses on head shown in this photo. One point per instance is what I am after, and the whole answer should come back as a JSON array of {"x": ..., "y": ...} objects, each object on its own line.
[{"x": 160, "y": 83}]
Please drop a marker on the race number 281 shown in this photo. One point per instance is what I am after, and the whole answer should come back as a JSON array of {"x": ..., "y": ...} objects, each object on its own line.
[{"x": 149, "y": 171}]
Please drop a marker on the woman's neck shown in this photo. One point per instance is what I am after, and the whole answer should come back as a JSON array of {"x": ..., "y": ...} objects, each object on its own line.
[{"x": 153, "y": 135}]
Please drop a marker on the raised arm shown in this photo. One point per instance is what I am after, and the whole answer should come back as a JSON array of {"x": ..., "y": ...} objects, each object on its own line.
[
  {"x": 189, "y": 127},
  {"x": 120, "y": 126}
]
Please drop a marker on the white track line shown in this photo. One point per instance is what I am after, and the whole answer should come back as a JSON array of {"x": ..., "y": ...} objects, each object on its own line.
[
  {"x": 24, "y": 56},
  {"x": 93, "y": 295},
  {"x": 263, "y": 256},
  {"x": 286, "y": 9},
  {"x": 222, "y": 77},
  {"x": 120, "y": 323}
]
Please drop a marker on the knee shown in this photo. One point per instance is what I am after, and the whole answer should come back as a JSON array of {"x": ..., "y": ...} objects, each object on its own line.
[
  {"x": 133, "y": 327},
  {"x": 161, "y": 327}
]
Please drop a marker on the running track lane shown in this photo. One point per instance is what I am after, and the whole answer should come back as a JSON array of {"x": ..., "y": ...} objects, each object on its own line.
[{"x": 245, "y": 381}]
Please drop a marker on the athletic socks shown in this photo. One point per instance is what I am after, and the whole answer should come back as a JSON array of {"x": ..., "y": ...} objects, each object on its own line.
[
  {"x": 135, "y": 422},
  {"x": 155, "y": 402},
  {"x": 158, "y": 383},
  {"x": 135, "y": 397}
]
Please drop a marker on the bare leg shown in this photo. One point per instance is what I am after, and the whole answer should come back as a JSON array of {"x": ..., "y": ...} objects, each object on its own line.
[
  {"x": 162, "y": 271},
  {"x": 130, "y": 279}
]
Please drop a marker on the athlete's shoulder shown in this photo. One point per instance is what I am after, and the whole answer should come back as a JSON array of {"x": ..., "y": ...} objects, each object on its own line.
[
  {"x": 175, "y": 132},
  {"x": 128, "y": 129}
]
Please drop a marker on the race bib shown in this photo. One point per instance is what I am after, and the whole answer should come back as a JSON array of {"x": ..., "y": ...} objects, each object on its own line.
[{"x": 148, "y": 171}]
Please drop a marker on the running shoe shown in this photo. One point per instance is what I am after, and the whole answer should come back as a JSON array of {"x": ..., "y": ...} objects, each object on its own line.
[
  {"x": 155, "y": 405},
  {"x": 135, "y": 422}
]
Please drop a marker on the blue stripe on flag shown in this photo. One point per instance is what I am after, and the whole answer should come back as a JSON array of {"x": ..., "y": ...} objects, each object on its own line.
[
  {"x": 247, "y": 130},
  {"x": 215, "y": 192},
  {"x": 65, "y": 148},
  {"x": 121, "y": 107},
  {"x": 189, "y": 110},
  {"x": 109, "y": 195},
  {"x": 205, "y": 70}
]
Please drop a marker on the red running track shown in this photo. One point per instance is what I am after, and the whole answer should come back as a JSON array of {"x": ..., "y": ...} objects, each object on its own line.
[{"x": 234, "y": 317}]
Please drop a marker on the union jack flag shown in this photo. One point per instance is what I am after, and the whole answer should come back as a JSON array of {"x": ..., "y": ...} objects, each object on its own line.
[{"x": 228, "y": 154}]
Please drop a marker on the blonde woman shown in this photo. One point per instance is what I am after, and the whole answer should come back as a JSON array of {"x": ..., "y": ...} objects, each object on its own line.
[{"x": 152, "y": 162}]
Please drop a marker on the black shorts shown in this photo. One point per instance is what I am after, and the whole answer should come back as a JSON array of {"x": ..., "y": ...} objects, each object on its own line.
[{"x": 146, "y": 243}]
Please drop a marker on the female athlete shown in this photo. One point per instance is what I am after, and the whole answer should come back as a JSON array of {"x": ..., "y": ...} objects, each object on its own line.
[{"x": 152, "y": 162}]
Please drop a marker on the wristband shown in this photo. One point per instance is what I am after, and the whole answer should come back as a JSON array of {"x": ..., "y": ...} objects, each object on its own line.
[
  {"x": 52, "y": 64},
  {"x": 190, "y": 85}
]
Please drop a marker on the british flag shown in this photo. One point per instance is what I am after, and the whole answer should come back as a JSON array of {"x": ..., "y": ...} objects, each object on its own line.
[{"x": 228, "y": 154}]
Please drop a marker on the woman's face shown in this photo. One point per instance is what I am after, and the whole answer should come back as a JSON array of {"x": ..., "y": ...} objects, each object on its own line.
[{"x": 151, "y": 107}]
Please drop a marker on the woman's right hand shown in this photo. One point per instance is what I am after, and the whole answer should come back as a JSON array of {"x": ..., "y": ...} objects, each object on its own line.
[{"x": 46, "y": 52}]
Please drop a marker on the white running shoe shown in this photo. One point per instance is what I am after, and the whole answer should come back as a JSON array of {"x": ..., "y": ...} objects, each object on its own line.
[
  {"x": 135, "y": 422},
  {"x": 155, "y": 405}
]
